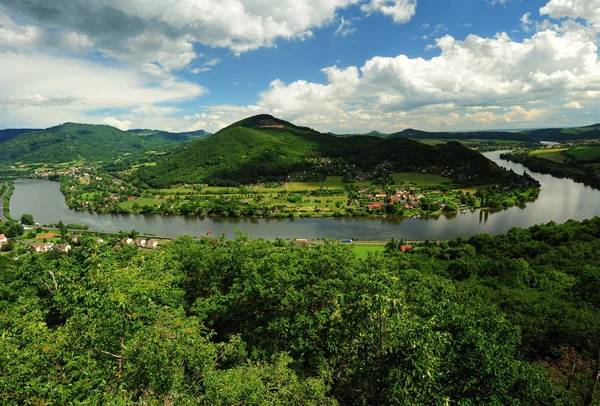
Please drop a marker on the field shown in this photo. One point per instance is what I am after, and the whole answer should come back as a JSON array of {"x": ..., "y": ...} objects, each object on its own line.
[
  {"x": 585, "y": 153},
  {"x": 362, "y": 250},
  {"x": 473, "y": 141},
  {"x": 142, "y": 201},
  {"x": 554, "y": 155},
  {"x": 421, "y": 179}
]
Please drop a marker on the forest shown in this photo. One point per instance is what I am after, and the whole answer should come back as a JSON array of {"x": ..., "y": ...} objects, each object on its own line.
[{"x": 506, "y": 319}]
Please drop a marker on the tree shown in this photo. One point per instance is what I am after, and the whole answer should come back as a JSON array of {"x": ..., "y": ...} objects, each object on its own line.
[
  {"x": 27, "y": 220},
  {"x": 63, "y": 230}
]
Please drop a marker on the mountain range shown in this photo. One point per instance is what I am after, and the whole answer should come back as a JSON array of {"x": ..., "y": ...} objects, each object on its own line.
[{"x": 71, "y": 141}]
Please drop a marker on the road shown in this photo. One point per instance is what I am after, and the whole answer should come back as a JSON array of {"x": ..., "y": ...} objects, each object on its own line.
[{"x": 2, "y": 218}]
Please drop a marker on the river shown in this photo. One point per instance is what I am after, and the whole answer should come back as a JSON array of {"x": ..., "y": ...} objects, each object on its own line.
[{"x": 559, "y": 201}]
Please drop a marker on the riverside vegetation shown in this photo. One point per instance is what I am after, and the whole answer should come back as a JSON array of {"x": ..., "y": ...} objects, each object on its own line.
[
  {"x": 579, "y": 161},
  {"x": 507, "y": 319}
]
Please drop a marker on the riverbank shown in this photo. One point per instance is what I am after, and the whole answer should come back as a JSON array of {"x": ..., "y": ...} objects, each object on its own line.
[
  {"x": 6, "y": 192},
  {"x": 559, "y": 200},
  {"x": 571, "y": 170}
]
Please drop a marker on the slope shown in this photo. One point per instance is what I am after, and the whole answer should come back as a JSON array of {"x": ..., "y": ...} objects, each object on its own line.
[
  {"x": 10, "y": 133},
  {"x": 72, "y": 141},
  {"x": 264, "y": 148},
  {"x": 565, "y": 134}
]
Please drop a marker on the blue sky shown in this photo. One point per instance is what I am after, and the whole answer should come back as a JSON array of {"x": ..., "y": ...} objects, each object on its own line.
[{"x": 334, "y": 65}]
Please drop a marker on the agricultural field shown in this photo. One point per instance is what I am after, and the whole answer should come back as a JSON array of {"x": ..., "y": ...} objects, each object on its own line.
[
  {"x": 554, "y": 155},
  {"x": 141, "y": 201},
  {"x": 585, "y": 153},
  {"x": 362, "y": 250},
  {"x": 420, "y": 179}
]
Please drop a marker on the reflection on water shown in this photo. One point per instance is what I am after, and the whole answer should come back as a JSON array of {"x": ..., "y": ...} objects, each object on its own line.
[{"x": 559, "y": 200}]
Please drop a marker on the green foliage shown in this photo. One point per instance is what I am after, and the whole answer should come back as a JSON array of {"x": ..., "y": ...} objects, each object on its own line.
[
  {"x": 70, "y": 141},
  {"x": 27, "y": 220},
  {"x": 263, "y": 148},
  {"x": 11, "y": 229},
  {"x": 508, "y": 319}
]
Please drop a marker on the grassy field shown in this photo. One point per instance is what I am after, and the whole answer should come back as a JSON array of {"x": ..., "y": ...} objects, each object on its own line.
[
  {"x": 507, "y": 141},
  {"x": 550, "y": 154},
  {"x": 432, "y": 141},
  {"x": 421, "y": 179},
  {"x": 142, "y": 201},
  {"x": 585, "y": 153},
  {"x": 362, "y": 251},
  {"x": 467, "y": 141}
]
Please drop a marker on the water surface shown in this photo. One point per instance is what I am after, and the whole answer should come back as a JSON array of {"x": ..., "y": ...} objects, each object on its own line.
[{"x": 559, "y": 200}]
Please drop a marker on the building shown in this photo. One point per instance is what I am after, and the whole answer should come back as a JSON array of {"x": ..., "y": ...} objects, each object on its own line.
[{"x": 3, "y": 239}]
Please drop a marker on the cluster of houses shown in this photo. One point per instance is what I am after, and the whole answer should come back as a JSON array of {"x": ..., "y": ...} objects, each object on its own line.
[
  {"x": 72, "y": 171},
  {"x": 47, "y": 247},
  {"x": 407, "y": 199},
  {"x": 140, "y": 242}
]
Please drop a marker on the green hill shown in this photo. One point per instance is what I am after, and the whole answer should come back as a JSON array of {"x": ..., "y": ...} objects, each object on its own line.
[
  {"x": 264, "y": 148},
  {"x": 565, "y": 134},
  {"x": 483, "y": 135},
  {"x": 11, "y": 133},
  {"x": 72, "y": 141}
]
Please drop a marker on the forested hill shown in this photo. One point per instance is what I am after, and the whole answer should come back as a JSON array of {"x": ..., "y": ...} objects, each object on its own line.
[
  {"x": 11, "y": 133},
  {"x": 264, "y": 148},
  {"x": 483, "y": 135},
  {"x": 565, "y": 134},
  {"x": 72, "y": 141}
]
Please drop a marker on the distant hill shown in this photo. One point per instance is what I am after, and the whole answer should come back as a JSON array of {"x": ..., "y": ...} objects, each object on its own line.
[
  {"x": 483, "y": 135},
  {"x": 565, "y": 134},
  {"x": 178, "y": 137},
  {"x": 373, "y": 133},
  {"x": 543, "y": 134},
  {"x": 11, "y": 133},
  {"x": 266, "y": 148},
  {"x": 72, "y": 141}
]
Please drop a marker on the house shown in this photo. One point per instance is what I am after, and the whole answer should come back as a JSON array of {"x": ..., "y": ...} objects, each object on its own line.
[
  {"x": 100, "y": 240},
  {"x": 40, "y": 248},
  {"x": 152, "y": 244},
  {"x": 127, "y": 240},
  {"x": 404, "y": 248},
  {"x": 140, "y": 242},
  {"x": 301, "y": 241},
  {"x": 62, "y": 247},
  {"x": 75, "y": 237},
  {"x": 3, "y": 239},
  {"x": 377, "y": 205}
]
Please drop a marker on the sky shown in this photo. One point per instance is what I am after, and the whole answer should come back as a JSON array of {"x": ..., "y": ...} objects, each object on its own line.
[{"x": 346, "y": 66}]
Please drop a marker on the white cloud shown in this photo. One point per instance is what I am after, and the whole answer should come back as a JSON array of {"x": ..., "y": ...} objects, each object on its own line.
[
  {"x": 573, "y": 105},
  {"x": 586, "y": 9},
  {"x": 345, "y": 28},
  {"x": 526, "y": 79},
  {"x": 123, "y": 125},
  {"x": 401, "y": 11},
  {"x": 71, "y": 89},
  {"x": 164, "y": 31}
]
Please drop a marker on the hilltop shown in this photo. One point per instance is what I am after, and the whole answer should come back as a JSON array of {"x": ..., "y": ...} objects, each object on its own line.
[
  {"x": 483, "y": 135},
  {"x": 265, "y": 148},
  {"x": 71, "y": 141}
]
